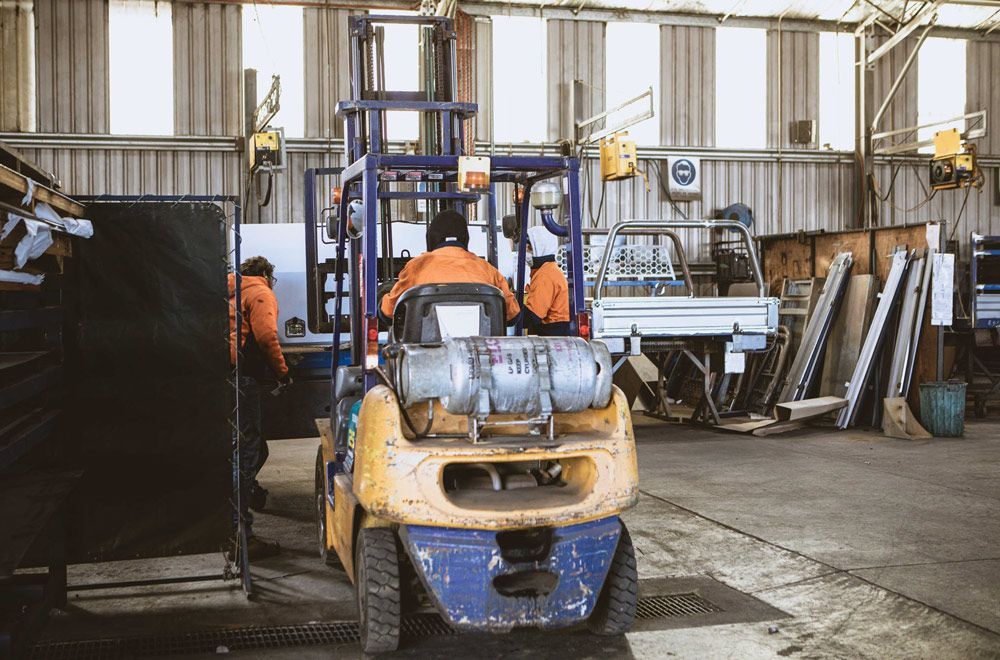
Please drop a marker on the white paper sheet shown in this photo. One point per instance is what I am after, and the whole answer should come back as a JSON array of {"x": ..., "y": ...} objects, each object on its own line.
[
  {"x": 458, "y": 320},
  {"x": 942, "y": 288}
]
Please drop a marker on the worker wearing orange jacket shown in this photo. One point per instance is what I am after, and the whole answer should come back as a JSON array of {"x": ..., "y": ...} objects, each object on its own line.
[
  {"x": 261, "y": 362},
  {"x": 546, "y": 303},
  {"x": 448, "y": 261}
]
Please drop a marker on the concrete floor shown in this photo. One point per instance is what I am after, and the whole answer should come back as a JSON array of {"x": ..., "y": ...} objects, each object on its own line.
[{"x": 875, "y": 548}]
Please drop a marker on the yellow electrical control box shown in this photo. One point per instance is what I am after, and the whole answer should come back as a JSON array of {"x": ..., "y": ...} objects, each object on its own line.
[
  {"x": 618, "y": 158},
  {"x": 954, "y": 164},
  {"x": 267, "y": 150}
]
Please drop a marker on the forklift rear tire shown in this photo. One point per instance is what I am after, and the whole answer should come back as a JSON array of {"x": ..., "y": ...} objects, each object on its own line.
[
  {"x": 376, "y": 567},
  {"x": 329, "y": 558},
  {"x": 615, "y": 610}
]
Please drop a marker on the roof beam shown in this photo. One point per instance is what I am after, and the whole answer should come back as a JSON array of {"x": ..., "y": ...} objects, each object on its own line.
[{"x": 929, "y": 8}]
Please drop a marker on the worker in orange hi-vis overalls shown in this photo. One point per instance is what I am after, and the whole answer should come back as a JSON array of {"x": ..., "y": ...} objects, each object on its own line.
[
  {"x": 546, "y": 303},
  {"x": 448, "y": 261}
]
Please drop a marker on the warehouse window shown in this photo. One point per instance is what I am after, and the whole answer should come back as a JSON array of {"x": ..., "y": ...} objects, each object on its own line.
[
  {"x": 273, "y": 43},
  {"x": 940, "y": 85},
  {"x": 402, "y": 74},
  {"x": 141, "y": 68},
  {"x": 520, "y": 111},
  {"x": 740, "y": 88},
  {"x": 632, "y": 65},
  {"x": 836, "y": 90}
]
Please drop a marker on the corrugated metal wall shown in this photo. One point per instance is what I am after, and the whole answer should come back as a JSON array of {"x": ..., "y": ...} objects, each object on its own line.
[
  {"x": 794, "y": 94},
  {"x": 483, "y": 77},
  {"x": 687, "y": 86},
  {"x": 71, "y": 66},
  {"x": 575, "y": 52},
  {"x": 16, "y": 72},
  {"x": 327, "y": 68},
  {"x": 983, "y": 89},
  {"x": 142, "y": 171},
  {"x": 903, "y": 111},
  {"x": 207, "y": 79},
  {"x": 788, "y": 195}
]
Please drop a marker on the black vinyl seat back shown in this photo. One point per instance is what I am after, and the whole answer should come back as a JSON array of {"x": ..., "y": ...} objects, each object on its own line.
[{"x": 415, "y": 318}]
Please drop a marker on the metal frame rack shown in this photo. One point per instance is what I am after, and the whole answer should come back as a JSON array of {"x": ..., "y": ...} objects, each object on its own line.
[
  {"x": 694, "y": 326},
  {"x": 985, "y": 295}
]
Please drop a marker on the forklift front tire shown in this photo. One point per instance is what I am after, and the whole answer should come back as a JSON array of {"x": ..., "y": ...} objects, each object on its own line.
[
  {"x": 615, "y": 610},
  {"x": 376, "y": 567}
]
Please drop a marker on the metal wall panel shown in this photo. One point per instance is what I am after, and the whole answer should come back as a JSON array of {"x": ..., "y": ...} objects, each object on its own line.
[
  {"x": 903, "y": 111},
  {"x": 288, "y": 198},
  {"x": 983, "y": 91},
  {"x": 575, "y": 52},
  {"x": 687, "y": 86},
  {"x": 483, "y": 77},
  {"x": 17, "y": 28},
  {"x": 207, "y": 62},
  {"x": 794, "y": 94},
  {"x": 139, "y": 171},
  {"x": 72, "y": 65},
  {"x": 786, "y": 196},
  {"x": 963, "y": 211},
  {"x": 327, "y": 70}
]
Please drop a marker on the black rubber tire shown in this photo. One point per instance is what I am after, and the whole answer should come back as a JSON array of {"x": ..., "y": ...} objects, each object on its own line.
[
  {"x": 329, "y": 557},
  {"x": 376, "y": 579},
  {"x": 616, "y": 606}
]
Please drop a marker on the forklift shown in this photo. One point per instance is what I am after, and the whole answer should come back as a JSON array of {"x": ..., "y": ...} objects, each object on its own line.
[{"x": 463, "y": 469}]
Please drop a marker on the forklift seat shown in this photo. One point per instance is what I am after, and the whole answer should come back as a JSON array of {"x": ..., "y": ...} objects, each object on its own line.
[{"x": 415, "y": 318}]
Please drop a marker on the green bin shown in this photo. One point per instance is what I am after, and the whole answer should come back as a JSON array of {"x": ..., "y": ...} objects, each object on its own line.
[{"x": 942, "y": 408}]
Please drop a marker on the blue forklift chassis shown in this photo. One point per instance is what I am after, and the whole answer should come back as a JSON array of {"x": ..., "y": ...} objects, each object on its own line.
[{"x": 463, "y": 571}]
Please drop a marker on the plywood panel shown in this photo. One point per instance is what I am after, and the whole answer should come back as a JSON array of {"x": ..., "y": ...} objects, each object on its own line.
[
  {"x": 786, "y": 257},
  {"x": 887, "y": 239},
  {"x": 828, "y": 246}
]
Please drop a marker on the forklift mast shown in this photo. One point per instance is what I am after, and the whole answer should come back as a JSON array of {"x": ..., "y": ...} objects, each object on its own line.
[
  {"x": 441, "y": 127},
  {"x": 373, "y": 173}
]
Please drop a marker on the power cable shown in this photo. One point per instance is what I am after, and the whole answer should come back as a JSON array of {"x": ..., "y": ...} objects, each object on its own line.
[{"x": 666, "y": 191}]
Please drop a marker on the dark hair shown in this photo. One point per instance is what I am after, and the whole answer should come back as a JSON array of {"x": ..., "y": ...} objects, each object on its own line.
[{"x": 258, "y": 266}]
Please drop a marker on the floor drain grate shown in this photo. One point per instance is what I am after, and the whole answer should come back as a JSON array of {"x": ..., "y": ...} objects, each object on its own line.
[
  {"x": 674, "y": 605},
  {"x": 310, "y": 634}
]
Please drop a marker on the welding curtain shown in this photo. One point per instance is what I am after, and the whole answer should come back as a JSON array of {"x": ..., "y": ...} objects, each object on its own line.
[{"x": 149, "y": 420}]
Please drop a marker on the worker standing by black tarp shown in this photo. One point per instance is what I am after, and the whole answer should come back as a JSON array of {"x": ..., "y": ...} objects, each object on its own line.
[{"x": 262, "y": 361}]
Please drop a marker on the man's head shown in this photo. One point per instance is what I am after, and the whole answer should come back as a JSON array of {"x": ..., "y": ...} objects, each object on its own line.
[
  {"x": 259, "y": 267},
  {"x": 447, "y": 226}
]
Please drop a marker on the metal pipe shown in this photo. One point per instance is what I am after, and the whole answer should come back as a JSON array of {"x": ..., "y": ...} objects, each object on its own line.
[
  {"x": 665, "y": 226},
  {"x": 492, "y": 471},
  {"x": 554, "y": 227},
  {"x": 682, "y": 259},
  {"x": 899, "y": 78}
]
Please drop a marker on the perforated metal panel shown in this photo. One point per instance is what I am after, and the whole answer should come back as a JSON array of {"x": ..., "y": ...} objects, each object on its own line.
[{"x": 628, "y": 262}]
